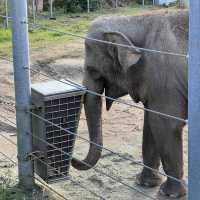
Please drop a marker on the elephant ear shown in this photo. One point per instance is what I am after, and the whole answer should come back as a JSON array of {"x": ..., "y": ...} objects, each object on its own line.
[{"x": 125, "y": 56}]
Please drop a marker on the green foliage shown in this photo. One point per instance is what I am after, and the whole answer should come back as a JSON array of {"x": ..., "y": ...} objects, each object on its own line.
[
  {"x": 76, "y": 5},
  {"x": 5, "y": 35}
]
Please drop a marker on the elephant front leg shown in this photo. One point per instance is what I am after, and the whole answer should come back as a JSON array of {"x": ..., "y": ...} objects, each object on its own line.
[
  {"x": 151, "y": 158},
  {"x": 169, "y": 141}
]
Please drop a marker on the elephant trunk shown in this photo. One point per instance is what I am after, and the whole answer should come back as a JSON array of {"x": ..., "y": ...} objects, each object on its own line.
[{"x": 93, "y": 111}]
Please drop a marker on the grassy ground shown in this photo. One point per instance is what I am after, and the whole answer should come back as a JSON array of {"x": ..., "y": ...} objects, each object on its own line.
[
  {"x": 10, "y": 190},
  {"x": 73, "y": 23}
]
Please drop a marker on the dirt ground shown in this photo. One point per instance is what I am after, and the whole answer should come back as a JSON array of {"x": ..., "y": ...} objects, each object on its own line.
[{"x": 122, "y": 131}]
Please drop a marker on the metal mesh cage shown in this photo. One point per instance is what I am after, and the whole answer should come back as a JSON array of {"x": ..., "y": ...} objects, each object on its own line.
[{"x": 60, "y": 104}]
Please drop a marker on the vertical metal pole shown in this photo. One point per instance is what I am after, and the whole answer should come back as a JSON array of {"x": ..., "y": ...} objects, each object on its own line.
[
  {"x": 88, "y": 6},
  {"x": 51, "y": 9},
  {"x": 181, "y": 4},
  {"x": 194, "y": 101},
  {"x": 143, "y": 2},
  {"x": 6, "y": 5},
  {"x": 116, "y": 3},
  {"x": 22, "y": 90},
  {"x": 34, "y": 11}
]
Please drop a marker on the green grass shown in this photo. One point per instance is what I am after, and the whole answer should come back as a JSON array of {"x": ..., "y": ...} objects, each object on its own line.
[
  {"x": 74, "y": 23},
  {"x": 10, "y": 190},
  {"x": 8, "y": 187}
]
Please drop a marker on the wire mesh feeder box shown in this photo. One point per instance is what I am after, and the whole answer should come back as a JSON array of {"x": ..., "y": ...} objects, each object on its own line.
[{"x": 59, "y": 103}]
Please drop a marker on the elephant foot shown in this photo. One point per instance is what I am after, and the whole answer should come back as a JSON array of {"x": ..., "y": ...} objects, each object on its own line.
[
  {"x": 150, "y": 179},
  {"x": 172, "y": 189}
]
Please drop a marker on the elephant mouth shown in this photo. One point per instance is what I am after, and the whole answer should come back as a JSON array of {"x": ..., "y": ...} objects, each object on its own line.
[{"x": 113, "y": 92}]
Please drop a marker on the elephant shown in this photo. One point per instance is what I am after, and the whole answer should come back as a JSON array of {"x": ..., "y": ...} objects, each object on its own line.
[{"x": 157, "y": 80}]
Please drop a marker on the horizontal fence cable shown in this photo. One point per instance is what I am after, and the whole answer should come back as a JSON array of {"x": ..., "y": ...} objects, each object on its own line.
[
  {"x": 119, "y": 101},
  {"x": 63, "y": 152},
  {"x": 72, "y": 83},
  {"x": 4, "y": 16},
  {"x": 67, "y": 177},
  {"x": 50, "y": 188},
  {"x": 15, "y": 163},
  {"x": 42, "y": 182},
  {"x": 5, "y": 58},
  {"x": 107, "y": 149},
  {"x": 38, "y": 179},
  {"x": 6, "y": 138},
  {"x": 10, "y": 159},
  {"x": 116, "y": 153},
  {"x": 46, "y": 163},
  {"x": 97, "y": 170},
  {"x": 104, "y": 41},
  {"x": 78, "y": 86},
  {"x": 122, "y": 102},
  {"x": 107, "y": 42}
]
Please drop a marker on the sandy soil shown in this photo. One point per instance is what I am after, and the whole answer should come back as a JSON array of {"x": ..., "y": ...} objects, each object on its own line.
[{"x": 122, "y": 131}]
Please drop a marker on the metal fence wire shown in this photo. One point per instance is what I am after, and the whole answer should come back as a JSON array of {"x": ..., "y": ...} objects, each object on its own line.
[
  {"x": 59, "y": 127},
  {"x": 55, "y": 124}
]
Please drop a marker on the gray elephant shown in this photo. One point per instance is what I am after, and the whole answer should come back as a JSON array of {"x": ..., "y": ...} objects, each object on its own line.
[{"x": 158, "y": 81}]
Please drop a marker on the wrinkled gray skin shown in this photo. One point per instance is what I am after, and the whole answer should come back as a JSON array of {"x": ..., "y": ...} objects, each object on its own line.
[{"x": 158, "y": 81}]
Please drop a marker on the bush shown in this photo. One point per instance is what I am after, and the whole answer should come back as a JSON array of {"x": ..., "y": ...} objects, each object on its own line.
[{"x": 76, "y": 5}]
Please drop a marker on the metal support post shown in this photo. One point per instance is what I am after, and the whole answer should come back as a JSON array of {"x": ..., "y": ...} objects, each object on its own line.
[
  {"x": 116, "y": 3},
  {"x": 143, "y": 3},
  {"x": 194, "y": 101},
  {"x": 34, "y": 10},
  {"x": 22, "y": 91},
  {"x": 181, "y": 4},
  {"x": 51, "y": 10},
  {"x": 6, "y": 6},
  {"x": 88, "y": 6}
]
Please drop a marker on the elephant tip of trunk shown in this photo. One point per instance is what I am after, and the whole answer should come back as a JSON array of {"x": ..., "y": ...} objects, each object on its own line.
[
  {"x": 79, "y": 165},
  {"x": 90, "y": 161}
]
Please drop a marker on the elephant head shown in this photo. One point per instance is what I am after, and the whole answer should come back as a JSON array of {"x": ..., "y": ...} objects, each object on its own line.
[{"x": 106, "y": 66}]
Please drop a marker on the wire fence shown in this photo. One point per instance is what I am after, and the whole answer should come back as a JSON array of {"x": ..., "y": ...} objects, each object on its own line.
[
  {"x": 72, "y": 83},
  {"x": 99, "y": 171},
  {"x": 63, "y": 152},
  {"x": 121, "y": 102}
]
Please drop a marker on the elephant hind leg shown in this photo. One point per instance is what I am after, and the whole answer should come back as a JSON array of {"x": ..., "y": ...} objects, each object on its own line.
[
  {"x": 168, "y": 136},
  {"x": 151, "y": 158}
]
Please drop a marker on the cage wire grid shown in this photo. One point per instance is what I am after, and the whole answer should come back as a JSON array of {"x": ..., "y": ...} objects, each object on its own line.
[
  {"x": 64, "y": 112},
  {"x": 34, "y": 157}
]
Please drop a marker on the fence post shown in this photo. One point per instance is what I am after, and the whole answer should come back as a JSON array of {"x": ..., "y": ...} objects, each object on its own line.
[
  {"x": 88, "y": 6},
  {"x": 51, "y": 9},
  {"x": 194, "y": 101},
  {"x": 34, "y": 11},
  {"x": 6, "y": 6},
  {"x": 22, "y": 91},
  {"x": 116, "y": 3}
]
